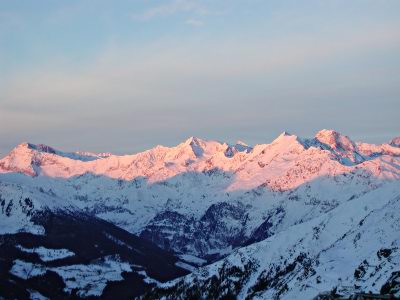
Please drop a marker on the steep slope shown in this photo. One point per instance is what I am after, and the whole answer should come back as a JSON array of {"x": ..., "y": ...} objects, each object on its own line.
[{"x": 354, "y": 247}]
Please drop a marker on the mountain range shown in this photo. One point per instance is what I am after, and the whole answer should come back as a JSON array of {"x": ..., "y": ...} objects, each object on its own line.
[{"x": 291, "y": 219}]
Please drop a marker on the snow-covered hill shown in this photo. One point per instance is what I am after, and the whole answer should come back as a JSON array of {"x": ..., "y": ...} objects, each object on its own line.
[{"x": 203, "y": 199}]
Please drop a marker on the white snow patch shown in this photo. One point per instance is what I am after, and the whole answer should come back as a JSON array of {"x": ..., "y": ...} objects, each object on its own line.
[
  {"x": 46, "y": 254},
  {"x": 27, "y": 270},
  {"x": 147, "y": 278},
  {"x": 35, "y": 295},
  {"x": 192, "y": 259},
  {"x": 185, "y": 266},
  {"x": 90, "y": 280}
]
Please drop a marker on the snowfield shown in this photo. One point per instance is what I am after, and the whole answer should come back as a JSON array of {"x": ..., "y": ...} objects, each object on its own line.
[{"x": 48, "y": 254}]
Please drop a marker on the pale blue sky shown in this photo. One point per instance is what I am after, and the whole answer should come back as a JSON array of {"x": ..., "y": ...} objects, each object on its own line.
[{"x": 123, "y": 76}]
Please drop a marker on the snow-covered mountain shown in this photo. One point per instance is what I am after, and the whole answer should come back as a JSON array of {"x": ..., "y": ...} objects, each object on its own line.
[
  {"x": 355, "y": 247},
  {"x": 205, "y": 200}
]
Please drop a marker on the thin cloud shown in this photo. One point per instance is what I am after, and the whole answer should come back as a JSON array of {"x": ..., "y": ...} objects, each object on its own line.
[
  {"x": 194, "y": 22},
  {"x": 171, "y": 8},
  {"x": 172, "y": 70},
  {"x": 10, "y": 21}
]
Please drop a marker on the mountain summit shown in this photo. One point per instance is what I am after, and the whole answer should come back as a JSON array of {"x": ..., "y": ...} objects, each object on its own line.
[
  {"x": 395, "y": 142},
  {"x": 335, "y": 140}
]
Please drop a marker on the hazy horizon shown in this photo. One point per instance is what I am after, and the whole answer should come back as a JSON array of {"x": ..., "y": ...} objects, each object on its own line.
[{"x": 123, "y": 77}]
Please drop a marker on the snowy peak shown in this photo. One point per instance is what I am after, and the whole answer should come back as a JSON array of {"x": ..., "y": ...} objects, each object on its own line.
[
  {"x": 194, "y": 141},
  {"x": 287, "y": 142},
  {"x": 190, "y": 149},
  {"x": 340, "y": 145},
  {"x": 196, "y": 148},
  {"x": 32, "y": 159},
  {"x": 42, "y": 148},
  {"x": 285, "y": 133},
  {"x": 395, "y": 142},
  {"x": 27, "y": 147},
  {"x": 335, "y": 140},
  {"x": 285, "y": 137},
  {"x": 241, "y": 146},
  {"x": 20, "y": 160},
  {"x": 197, "y": 145}
]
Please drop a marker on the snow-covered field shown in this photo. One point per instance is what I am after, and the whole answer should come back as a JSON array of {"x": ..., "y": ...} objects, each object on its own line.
[
  {"x": 90, "y": 280},
  {"x": 48, "y": 254}
]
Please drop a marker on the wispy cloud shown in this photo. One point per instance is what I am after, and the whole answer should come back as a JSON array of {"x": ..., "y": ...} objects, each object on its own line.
[
  {"x": 194, "y": 22},
  {"x": 10, "y": 21},
  {"x": 170, "y": 70},
  {"x": 171, "y": 8}
]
